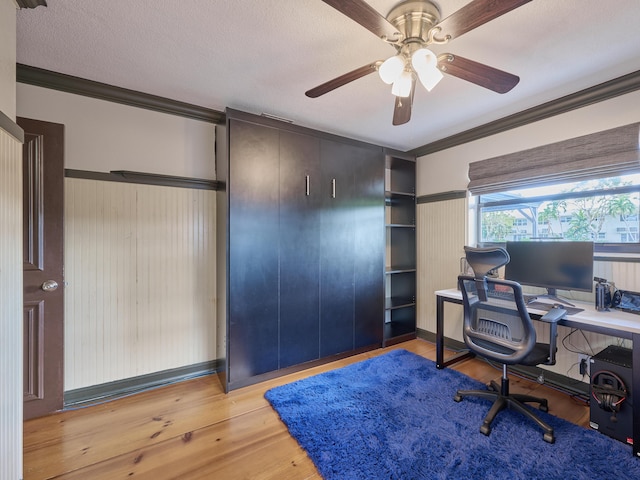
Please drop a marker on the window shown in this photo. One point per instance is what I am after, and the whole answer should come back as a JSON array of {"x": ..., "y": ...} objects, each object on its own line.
[{"x": 606, "y": 211}]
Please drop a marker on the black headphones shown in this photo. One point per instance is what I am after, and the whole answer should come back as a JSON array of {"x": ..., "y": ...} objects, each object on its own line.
[{"x": 609, "y": 391}]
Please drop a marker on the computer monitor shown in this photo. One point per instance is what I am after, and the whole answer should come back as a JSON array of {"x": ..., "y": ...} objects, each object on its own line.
[{"x": 554, "y": 265}]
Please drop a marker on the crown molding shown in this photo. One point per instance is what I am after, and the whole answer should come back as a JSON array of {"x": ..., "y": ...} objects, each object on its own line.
[
  {"x": 80, "y": 86},
  {"x": 598, "y": 93}
]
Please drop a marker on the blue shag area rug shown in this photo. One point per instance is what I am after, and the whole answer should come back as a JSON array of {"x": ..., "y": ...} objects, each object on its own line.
[{"x": 394, "y": 417}]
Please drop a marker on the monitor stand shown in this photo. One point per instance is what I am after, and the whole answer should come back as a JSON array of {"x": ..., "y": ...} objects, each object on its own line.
[{"x": 552, "y": 294}]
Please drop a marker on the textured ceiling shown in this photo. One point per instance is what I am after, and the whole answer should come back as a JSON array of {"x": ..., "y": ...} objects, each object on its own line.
[{"x": 261, "y": 56}]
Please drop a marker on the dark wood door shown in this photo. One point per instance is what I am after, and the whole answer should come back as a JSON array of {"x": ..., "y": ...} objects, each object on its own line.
[
  {"x": 369, "y": 247},
  {"x": 43, "y": 200},
  {"x": 337, "y": 248},
  {"x": 252, "y": 330},
  {"x": 300, "y": 192}
]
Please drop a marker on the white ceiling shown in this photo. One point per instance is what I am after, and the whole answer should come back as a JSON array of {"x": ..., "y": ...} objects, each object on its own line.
[{"x": 261, "y": 56}]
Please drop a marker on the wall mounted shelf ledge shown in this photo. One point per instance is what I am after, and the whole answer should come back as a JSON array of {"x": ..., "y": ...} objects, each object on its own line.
[
  {"x": 31, "y": 3},
  {"x": 167, "y": 180},
  {"x": 126, "y": 176}
]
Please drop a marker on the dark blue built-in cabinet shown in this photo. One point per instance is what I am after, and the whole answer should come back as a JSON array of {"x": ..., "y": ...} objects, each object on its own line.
[{"x": 301, "y": 242}]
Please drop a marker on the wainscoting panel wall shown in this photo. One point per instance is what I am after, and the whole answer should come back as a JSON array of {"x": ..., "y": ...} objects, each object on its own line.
[
  {"x": 626, "y": 275},
  {"x": 11, "y": 379},
  {"x": 441, "y": 237},
  {"x": 140, "y": 272}
]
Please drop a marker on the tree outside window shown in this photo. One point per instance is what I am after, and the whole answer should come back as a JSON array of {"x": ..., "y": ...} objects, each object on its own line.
[{"x": 605, "y": 211}]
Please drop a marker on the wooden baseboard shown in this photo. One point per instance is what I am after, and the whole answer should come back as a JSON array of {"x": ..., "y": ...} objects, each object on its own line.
[
  {"x": 297, "y": 368},
  {"x": 103, "y": 392}
]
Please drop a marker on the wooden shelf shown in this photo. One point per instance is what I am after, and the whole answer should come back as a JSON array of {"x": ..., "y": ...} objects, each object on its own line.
[
  {"x": 391, "y": 194},
  {"x": 400, "y": 269},
  {"x": 391, "y": 303},
  {"x": 396, "y": 332}
]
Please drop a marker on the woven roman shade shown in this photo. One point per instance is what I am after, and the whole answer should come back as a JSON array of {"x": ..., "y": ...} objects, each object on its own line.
[{"x": 603, "y": 154}]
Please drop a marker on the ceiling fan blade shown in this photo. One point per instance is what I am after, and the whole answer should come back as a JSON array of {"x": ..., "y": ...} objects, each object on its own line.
[
  {"x": 478, "y": 73},
  {"x": 402, "y": 109},
  {"x": 360, "y": 12},
  {"x": 342, "y": 80},
  {"x": 474, "y": 14}
]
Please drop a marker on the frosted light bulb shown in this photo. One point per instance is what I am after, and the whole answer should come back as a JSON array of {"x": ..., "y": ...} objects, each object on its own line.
[
  {"x": 402, "y": 86},
  {"x": 430, "y": 78},
  {"x": 425, "y": 63},
  {"x": 391, "y": 69},
  {"x": 423, "y": 59}
]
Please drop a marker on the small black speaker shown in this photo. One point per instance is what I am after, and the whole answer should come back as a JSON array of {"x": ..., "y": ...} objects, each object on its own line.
[{"x": 611, "y": 402}]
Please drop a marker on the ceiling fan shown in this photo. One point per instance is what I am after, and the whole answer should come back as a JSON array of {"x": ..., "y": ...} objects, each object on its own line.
[{"x": 410, "y": 27}]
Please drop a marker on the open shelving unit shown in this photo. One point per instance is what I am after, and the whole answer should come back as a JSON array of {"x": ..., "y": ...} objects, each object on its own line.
[{"x": 400, "y": 219}]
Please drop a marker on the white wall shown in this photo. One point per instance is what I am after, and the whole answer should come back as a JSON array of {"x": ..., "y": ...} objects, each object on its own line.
[
  {"x": 101, "y": 136},
  {"x": 11, "y": 386},
  {"x": 447, "y": 170},
  {"x": 8, "y": 58}
]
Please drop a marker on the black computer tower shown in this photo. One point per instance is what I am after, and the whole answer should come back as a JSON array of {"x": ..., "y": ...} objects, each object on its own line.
[{"x": 610, "y": 389}]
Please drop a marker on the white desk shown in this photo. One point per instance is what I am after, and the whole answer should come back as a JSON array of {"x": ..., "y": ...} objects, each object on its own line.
[{"x": 615, "y": 323}]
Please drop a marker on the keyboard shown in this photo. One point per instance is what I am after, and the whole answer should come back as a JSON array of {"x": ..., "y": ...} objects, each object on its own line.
[{"x": 508, "y": 295}]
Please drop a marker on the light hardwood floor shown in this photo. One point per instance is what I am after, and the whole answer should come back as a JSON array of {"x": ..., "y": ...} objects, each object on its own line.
[{"x": 193, "y": 430}]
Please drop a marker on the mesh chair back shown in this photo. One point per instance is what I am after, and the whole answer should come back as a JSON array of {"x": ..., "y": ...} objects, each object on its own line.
[{"x": 497, "y": 324}]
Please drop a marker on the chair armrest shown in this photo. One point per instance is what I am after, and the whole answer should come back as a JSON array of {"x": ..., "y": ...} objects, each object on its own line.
[{"x": 552, "y": 317}]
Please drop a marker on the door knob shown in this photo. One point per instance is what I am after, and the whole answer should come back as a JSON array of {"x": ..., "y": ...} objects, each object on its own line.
[{"x": 49, "y": 286}]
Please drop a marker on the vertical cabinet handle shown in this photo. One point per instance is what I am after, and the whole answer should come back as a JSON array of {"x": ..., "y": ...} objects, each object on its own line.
[
  {"x": 333, "y": 188},
  {"x": 306, "y": 185}
]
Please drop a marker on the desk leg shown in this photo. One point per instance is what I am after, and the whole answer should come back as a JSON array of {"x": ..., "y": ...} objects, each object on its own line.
[
  {"x": 440, "y": 362},
  {"x": 635, "y": 392},
  {"x": 439, "y": 332}
]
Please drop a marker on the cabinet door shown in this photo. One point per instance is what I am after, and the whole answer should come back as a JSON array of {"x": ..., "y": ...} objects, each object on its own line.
[
  {"x": 252, "y": 330},
  {"x": 369, "y": 247},
  {"x": 337, "y": 249},
  {"x": 300, "y": 186}
]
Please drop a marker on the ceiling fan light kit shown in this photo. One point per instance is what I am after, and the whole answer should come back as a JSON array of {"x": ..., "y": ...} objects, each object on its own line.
[
  {"x": 399, "y": 69},
  {"x": 410, "y": 27}
]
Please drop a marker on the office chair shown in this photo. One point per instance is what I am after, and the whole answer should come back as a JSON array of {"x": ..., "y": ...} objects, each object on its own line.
[{"x": 497, "y": 326}]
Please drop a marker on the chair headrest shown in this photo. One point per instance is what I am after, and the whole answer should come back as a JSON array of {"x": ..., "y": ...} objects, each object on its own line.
[{"x": 483, "y": 260}]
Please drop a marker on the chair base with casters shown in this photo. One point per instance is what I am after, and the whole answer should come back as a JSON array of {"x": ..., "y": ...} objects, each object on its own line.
[{"x": 503, "y": 399}]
